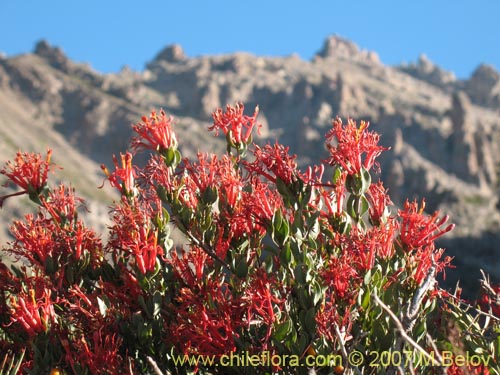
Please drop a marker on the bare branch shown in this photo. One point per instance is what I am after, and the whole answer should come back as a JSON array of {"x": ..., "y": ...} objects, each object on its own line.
[
  {"x": 342, "y": 347},
  {"x": 402, "y": 331},
  {"x": 154, "y": 366}
]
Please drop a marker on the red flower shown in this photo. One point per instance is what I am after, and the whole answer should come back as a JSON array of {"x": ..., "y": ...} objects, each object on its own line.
[
  {"x": 340, "y": 275},
  {"x": 210, "y": 172},
  {"x": 352, "y": 147},
  {"x": 62, "y": 204},
  {"x": 207, "y": 315},
  {"x": 33, "y": 311},
  {"x": 134, "y": 234},
  {"x": 418, "y": 229},
  {"x": 384, "y": 237},
  {"x": 123, "y": 178},
  {"x": 98, "y": 351},
  {"x": 262, "y": 302},
  {"x": 427, "y": 257},
  {"x": 379, "y": 200},
  {"x": 28, "y": 171},
  {"x": 146, "y": 249},
  {"x": 334, "y": 200},
  {"x": 491, "y": 299},
  {"x": 262, "y": 202},
  {"x": 154, "y": 133},
  {"x": 276, "y": 160},
  {"x": 34, "y": 239},
  {"x": 233, "y": 122}
]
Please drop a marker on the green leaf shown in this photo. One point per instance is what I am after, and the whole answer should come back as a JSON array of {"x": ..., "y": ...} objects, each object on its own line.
[
  {"x": 365, "y": 302},
  {"x": 241, "y": 269},
  {"x": 281, "y": 229},
  {"x": 50, "y": 267},
  {"x": 210, "y": 195},
  {"x": 286, "y": 255},
  {"x": 337, "y": 172},
  {"x": 177, "y": 157},
  {"x": 364, "y": 205},
  {"x": 351, "y": 208},
  {"x": 420, "y": 330},
  {"x": 282, "y": 330},
  {"x": 366, "y": 180},
  {"x": 169, "y": 157},
  {"x": 310, "y": 321},
  {"x": 162, "y": 193}
]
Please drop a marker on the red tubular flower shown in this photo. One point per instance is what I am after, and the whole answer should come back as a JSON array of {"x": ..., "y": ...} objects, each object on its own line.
[
  {"x": 28, "y": 171},
  {"x": 384, "y": 236},
  {"x": 33, "y": 313},
  {"x": 154, "y": 133},
  {"x": 123, "y": 178},
  {"x": 207, "y": 315},
  {"x": 262, "y": 302},
  {"x": 235, "y": 123},
  {"x": 204, "y": 173},
  {"x": 134, "y": 234},
  {"x": 146, "y": 249},
  {"x": 274, "y": 161},
  {"x": 426, "y": 257},
  {"x": 379, "y": 200},
  {"x": 262, "y": 203},
  {"x": 314, "y": 175},
  {"x": 490, "y": 299},
  {"x": 340, "y": 275},
  {"x": 352, "y": 147},
  {"x": 34, "y": 239},
  {"x": 98, "y": 351},
  {"x": 62, "y": 204},
  {"x": 334, "y": 200},
  {"x": 418, "y": 229}
]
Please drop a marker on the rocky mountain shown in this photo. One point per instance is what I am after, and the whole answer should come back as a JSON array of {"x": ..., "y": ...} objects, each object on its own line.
[{"x": 443, "y": 132}]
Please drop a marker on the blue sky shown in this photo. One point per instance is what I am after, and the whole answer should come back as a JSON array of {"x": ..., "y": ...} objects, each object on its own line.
[{"x": 458, "y": 35}]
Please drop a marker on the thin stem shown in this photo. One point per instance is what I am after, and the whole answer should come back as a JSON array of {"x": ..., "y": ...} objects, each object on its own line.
[{"x": 402, "y": 331}]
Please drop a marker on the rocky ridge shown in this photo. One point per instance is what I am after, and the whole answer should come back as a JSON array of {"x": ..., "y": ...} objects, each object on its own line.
[{"x": 443, "y": 132}]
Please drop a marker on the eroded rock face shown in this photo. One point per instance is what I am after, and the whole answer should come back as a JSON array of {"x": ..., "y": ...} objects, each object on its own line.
[
  {"x": 173, "y": 54},
  {"x": 484, "y": 87},
  {"x": 425, "y": 70},
  {"x": 444, "y": 133},
  {"x": 336, "y": 47}
]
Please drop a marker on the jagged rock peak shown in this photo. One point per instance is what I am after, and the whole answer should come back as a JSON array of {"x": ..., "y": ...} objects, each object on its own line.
[
  {"x": 339, "y": 47},
  {"x": 484, "y": 87},
  {"x": 171, "y": 53},
  {"x": 45, "y": 50},
  {"x": 427, "y": 71},
  {"x": 486, "y": 75}
]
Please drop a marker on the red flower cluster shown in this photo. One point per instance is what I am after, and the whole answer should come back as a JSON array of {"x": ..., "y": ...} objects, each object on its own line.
[
  {"x": 379, "y": 202},
  {"x": 234, "y": 124},
  {"x": 351, "y": 147},
  {"x": 33, "y": 310},
  {"x": 274, "y": 162},
  {"x": 28, "y": 171},
  {"x": 154, "y": 133},
  {"x": 134, "y": 234},
  {"x": 123, "y": 178},
  {"x": 418, "y": 229},
  {"x": 207, "y": 316}
]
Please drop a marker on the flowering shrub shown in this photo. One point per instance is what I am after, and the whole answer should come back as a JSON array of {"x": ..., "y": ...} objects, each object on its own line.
[{"x": 297, "y": 264}]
